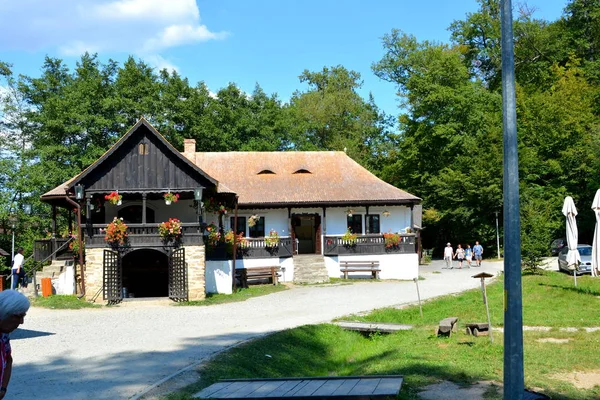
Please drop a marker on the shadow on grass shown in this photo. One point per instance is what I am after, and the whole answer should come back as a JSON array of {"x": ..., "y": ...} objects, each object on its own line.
[
  {"x": 313, "y": 351},
  {"x": 576, "y": 289}
]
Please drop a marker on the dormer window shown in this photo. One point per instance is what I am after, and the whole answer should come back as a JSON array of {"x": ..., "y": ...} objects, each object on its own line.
[
  {"x": 266, "y": 172},
  {"x": 303, "y": 171}
]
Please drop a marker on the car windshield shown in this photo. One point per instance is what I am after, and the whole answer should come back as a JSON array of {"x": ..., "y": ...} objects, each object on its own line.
[{"x": 585, "y": 251}]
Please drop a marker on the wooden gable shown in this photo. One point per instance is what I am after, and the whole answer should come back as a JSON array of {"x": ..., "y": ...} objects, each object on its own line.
[{"x": 143, "y": 161}]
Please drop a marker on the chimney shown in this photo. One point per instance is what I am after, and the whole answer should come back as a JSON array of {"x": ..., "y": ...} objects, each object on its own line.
[{"x": 189, "y": 146}]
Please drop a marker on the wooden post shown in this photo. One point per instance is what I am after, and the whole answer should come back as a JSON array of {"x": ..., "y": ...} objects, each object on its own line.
[
  {"x": 482, "y": 276},
  {"x": 144, "y": 195},
  {"x": 418, "y": 295},
  {"x": 487, "y": 309},
  {"x": 235, "y": 226},
  {"x": 54, "y": 220}
]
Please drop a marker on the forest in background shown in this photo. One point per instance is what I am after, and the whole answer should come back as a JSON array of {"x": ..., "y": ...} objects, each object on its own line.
[{"x": 445, "y": 144}]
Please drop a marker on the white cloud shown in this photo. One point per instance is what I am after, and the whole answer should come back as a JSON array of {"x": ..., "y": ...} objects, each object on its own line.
[
  {"x": 177, "y": 35},
  {"x": 171, "y": 10},
  {"x": 140, "y": 27}
]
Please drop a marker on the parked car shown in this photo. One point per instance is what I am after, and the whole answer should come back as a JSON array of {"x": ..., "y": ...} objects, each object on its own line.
[
  {"x": 585, "y": 251},
  {"x": 557, "y": 245}
]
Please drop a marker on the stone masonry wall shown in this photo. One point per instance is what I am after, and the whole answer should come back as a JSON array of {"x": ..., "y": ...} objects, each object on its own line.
[
  {"x": 93, "y": 272},
  {"x": 196, "y": 263}
]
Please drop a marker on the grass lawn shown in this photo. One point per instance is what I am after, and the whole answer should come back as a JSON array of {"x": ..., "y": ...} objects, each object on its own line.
[
  {"x": 239, "y": 295},
  {"x": 62, "y": 302},
  {"x": 326, "y": 350}
]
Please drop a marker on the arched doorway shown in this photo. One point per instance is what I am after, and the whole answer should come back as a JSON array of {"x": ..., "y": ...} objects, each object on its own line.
[{"x": 146, "y": 273}]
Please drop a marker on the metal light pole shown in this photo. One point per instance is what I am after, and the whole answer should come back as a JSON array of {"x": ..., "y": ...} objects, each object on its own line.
[
  {"x": 497, "y": 234},
  {"x": 514, "y": 381},
  {"x": 13, "y": 225}
]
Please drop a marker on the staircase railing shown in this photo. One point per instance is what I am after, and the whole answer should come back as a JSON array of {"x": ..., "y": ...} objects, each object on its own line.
[{"x": 32, "y": 271}]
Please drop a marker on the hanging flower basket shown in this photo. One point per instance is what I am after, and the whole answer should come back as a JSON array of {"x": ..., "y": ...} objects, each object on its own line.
[
  {"x": 253, "y": 220},
  {"x": 216, "y": 207},
  {"x": 114, "y": 198},
  {"x": 349, "y": 239},
  {"x": 171, "y": 198},
  {"x": 273, "y": 239},
  {"x": 170, "y": 230},
  {"x": 116, "y": 233},
  {"x": 392, "y": 240}
]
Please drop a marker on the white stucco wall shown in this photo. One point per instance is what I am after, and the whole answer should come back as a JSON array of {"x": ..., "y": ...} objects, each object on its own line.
[
  {"x": 398, "y": 219},
  {"x": 65, "y": 283},
  {"x": 393, "y": 266},
  {"x": 276, "y": 219},
  {"x": 218, "y": 273}
]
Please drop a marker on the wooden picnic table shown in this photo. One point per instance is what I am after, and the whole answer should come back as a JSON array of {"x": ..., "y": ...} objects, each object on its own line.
[{"x": 339, "y": 387}]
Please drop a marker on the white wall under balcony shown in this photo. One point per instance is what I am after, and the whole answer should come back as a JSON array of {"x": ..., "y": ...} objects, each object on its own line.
[
  {"x": 393, "y": 266},
  {"x": 398, "y": 219},
  {"x": 218, "y": 273},
  {"x": 276, "y": 219}
]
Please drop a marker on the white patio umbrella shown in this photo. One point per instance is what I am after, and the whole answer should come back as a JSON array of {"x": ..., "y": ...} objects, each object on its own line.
[
  {"x": 596, "y": 245},
  {"x": 573, "y": 257}
]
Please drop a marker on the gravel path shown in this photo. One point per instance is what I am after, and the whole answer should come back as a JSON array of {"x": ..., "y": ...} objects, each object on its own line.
[{"x": 120, "y": 352}]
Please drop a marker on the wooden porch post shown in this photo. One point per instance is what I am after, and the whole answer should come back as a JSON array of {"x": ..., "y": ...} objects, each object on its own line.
[
  {"x": 291, "y": 230},
  {"x": 144, "y": 208},
  {"x": 235, "y": 229},
  {"x": 324, "y": 229},
  {"x": 54, "y": 220},
  {"x": 70, "y": 218}
]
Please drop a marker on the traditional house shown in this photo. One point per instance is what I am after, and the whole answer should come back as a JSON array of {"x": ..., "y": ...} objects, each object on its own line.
[{"x": 293, "y": 209}]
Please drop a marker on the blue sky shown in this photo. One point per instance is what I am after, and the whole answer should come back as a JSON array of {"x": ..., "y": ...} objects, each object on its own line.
[{"x": 246, "y": 42}]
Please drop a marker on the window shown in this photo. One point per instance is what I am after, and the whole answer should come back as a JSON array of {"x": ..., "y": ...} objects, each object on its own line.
[
  {"x": 303, "y": 171},
  {"x": 372, "y": 222},
  {"x": 257, "y": 230},
  {"x": 241, "y": 226},
  {"x": 355, "y": 223},
  {"x": 266, "y": 172},
  {"x": 143, "y": 149}
]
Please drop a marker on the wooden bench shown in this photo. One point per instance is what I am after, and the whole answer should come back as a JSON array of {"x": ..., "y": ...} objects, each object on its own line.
[
  {"x": 360, "y": 266},
  {"x": 338, "y": 387},
  {"x": 478, "y": 329},
  {"x": 246, "y": 274},
  {"x": 447, "y": 326}
]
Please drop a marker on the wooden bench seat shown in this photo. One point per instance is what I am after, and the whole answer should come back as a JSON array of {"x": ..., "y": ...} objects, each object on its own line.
[
  {"x": 248, "y": 274},
  {"x": 338, "y": 387},
  {"x": 360, "y": 266},
  {"x": 447, "y": 326}
]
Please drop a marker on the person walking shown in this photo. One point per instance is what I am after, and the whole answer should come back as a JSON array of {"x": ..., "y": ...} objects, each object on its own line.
[
  {"x": 478, "y": 252},
  {"x": 448, "y": 254},
  {"x": 459, "y": 255},
  {"x": 17, "y": 268},
  {"x": 469, "y": 255},
  {"x": 13, "y": 308}
]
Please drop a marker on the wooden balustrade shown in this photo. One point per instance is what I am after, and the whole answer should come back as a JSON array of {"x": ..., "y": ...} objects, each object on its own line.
[{"x": 43, "y": 248}]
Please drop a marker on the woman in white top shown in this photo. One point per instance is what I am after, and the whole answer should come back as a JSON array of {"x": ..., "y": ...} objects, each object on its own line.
[{"x": 460, "y": 255}]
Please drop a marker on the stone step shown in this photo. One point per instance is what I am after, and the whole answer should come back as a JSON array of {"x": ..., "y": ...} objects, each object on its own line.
[{"x": 310, "y": 269}]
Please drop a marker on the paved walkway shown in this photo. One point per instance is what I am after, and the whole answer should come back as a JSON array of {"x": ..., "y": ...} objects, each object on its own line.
[{"x": 119, "y": 352}]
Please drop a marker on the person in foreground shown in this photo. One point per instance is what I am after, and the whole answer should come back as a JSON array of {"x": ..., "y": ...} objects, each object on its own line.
[{"x": 13, "y": 308}]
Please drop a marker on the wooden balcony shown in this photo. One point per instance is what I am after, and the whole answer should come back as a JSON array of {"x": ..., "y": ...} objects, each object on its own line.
[
  {"x": 368, "y": 245},
  {"x": 143, "y": 235},
  {"x": 253, "y": 248}
]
